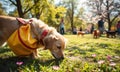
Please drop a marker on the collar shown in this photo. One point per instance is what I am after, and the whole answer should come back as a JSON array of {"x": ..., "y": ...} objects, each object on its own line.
[{"x": 43, "y": 35}]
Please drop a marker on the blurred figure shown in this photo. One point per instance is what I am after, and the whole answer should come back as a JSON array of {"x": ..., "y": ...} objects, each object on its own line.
[
  {"x": 118, "y": 27},
  {"x": 62, "y": 29},
  {"x": 80, "y": 28},
  {"x": 101, "y": 26},
  {"x": 92, "y": 28},
  {"x": 74, "y": 30}
]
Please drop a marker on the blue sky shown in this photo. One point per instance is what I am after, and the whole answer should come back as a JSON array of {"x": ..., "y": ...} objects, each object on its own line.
[{"x": 7, "y": 6}]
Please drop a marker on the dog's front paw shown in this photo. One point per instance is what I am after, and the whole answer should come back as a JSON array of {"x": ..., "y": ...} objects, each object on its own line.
[{"x": 35, "y": 56}]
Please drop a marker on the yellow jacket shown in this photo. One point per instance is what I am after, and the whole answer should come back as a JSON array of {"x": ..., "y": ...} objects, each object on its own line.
[{"x": 21, "y": 41}]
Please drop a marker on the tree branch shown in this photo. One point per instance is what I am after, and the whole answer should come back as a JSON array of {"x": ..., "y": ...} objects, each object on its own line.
[
  {"x": 26, "y": 10},
  {"x": 41, "y": 10},
  {"x": 104, "y": 3},
  {"x": 13, "y": 3},
  {"x": 115, "y": 17},
  {"x": 111, "y": 3}
]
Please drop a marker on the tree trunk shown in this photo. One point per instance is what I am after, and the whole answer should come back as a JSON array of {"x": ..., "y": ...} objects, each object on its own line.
[
  {"x": 108, "y": 16},
  {"x": 72, "y": 24},
  {"x": 109, "y": 23},
  {"x": 36, "y": 10},
  {"x": 72, "y": 17},
  {"x": 19, "y": 8}
]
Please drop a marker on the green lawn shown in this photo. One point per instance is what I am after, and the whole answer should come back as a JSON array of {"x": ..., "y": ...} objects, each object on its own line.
[{"x": 82, "y": 54}]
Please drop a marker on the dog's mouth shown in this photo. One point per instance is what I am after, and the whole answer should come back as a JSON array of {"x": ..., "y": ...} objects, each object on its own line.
[
  {"x": 58, "y": 60},
  {"x": 61, "y": 58}
]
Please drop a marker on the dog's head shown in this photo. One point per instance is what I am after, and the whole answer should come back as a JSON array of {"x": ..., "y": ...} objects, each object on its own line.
[
  {"x": 96, "y": 32},
  {"x": 53, "y": 41},
  {"x": 56, "y": 44}
]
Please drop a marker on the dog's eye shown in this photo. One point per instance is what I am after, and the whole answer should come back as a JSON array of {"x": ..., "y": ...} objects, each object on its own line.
[{"x": 59, "y": 47}]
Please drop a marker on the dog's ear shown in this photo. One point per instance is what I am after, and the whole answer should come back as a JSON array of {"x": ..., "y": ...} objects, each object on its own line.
[
  {"x": 54, "y": 37},
  {"x": 48, "y": 41}
]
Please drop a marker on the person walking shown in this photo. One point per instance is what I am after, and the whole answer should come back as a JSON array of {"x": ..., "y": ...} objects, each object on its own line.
[{"x": 118, "y": 27}]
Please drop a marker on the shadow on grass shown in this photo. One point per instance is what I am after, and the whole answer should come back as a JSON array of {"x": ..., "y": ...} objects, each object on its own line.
[
  {"x": 75, "y": 50},
  {"x": 83, "y": 48},
  {"x": 3, "y": 50},
  {"x": 9, "y": 64},
  {"x": 117, "y": 51}
]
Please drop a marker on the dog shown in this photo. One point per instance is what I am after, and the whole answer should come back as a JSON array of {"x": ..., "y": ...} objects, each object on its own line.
[
  {"x": 96, "y": 34},
  {"x": 41, "y": 34},
  {"x": 80, "y": 33},
  {"x": 111, "y": 34}
]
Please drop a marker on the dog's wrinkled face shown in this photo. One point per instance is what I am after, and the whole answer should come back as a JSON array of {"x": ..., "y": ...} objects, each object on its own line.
[{"x": 56, "y": 44}]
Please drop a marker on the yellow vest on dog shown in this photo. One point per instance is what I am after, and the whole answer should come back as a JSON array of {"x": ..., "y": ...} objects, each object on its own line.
[{"x": 21, "y": 41}]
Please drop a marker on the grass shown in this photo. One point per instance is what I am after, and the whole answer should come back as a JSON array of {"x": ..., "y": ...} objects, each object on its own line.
[{"x": 78, "y": 57}]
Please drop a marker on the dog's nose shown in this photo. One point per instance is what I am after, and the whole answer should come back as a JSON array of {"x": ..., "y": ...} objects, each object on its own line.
[{"x": 61, "y": 58}]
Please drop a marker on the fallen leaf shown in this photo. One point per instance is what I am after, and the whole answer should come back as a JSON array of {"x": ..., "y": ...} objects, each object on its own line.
[
  {"x": 19, "y": 63},
  {"x": 55, "y": 67}
]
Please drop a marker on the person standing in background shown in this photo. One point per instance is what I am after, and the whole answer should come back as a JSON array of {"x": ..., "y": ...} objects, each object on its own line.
[
  {"x": 62, "y": 29},
  {"x": 101, "y": 25},
  {"x": 92, "y": 28},
  {"x": 74, "y": 30},
  {"x": 118, "y": 27},
  {"x": 81, "y": 28}
]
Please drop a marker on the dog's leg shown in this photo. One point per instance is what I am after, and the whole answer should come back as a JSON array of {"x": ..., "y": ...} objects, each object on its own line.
[
  {"x": 115, "y": 35},
  {"x": 2, "y": 39},
  {"x": 107, "y": 35},
  {"x": 4, "y": 44},
  {"x": 1, "y": 43},
  {"x": 35, "y": 54},
  {"x": 111, "y": 36}
]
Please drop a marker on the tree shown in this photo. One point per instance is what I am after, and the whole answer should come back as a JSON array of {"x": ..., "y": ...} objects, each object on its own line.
[
  {"x": 109, "y": 9},
  {"x": 40, "y": 6},
  {"x": 13, "y": 13},
  {"x": 23, "y": 9},
  {"x": 40, "y": 9},
  {"x": 53, "y": 14},
  {"x": 80, "y": 12},
  {"x": 47, "y": 11},
  {"x": 2, "y": 12},
  {"x": 71, "y": 6},
  {"x": 78, "y": 18}
]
